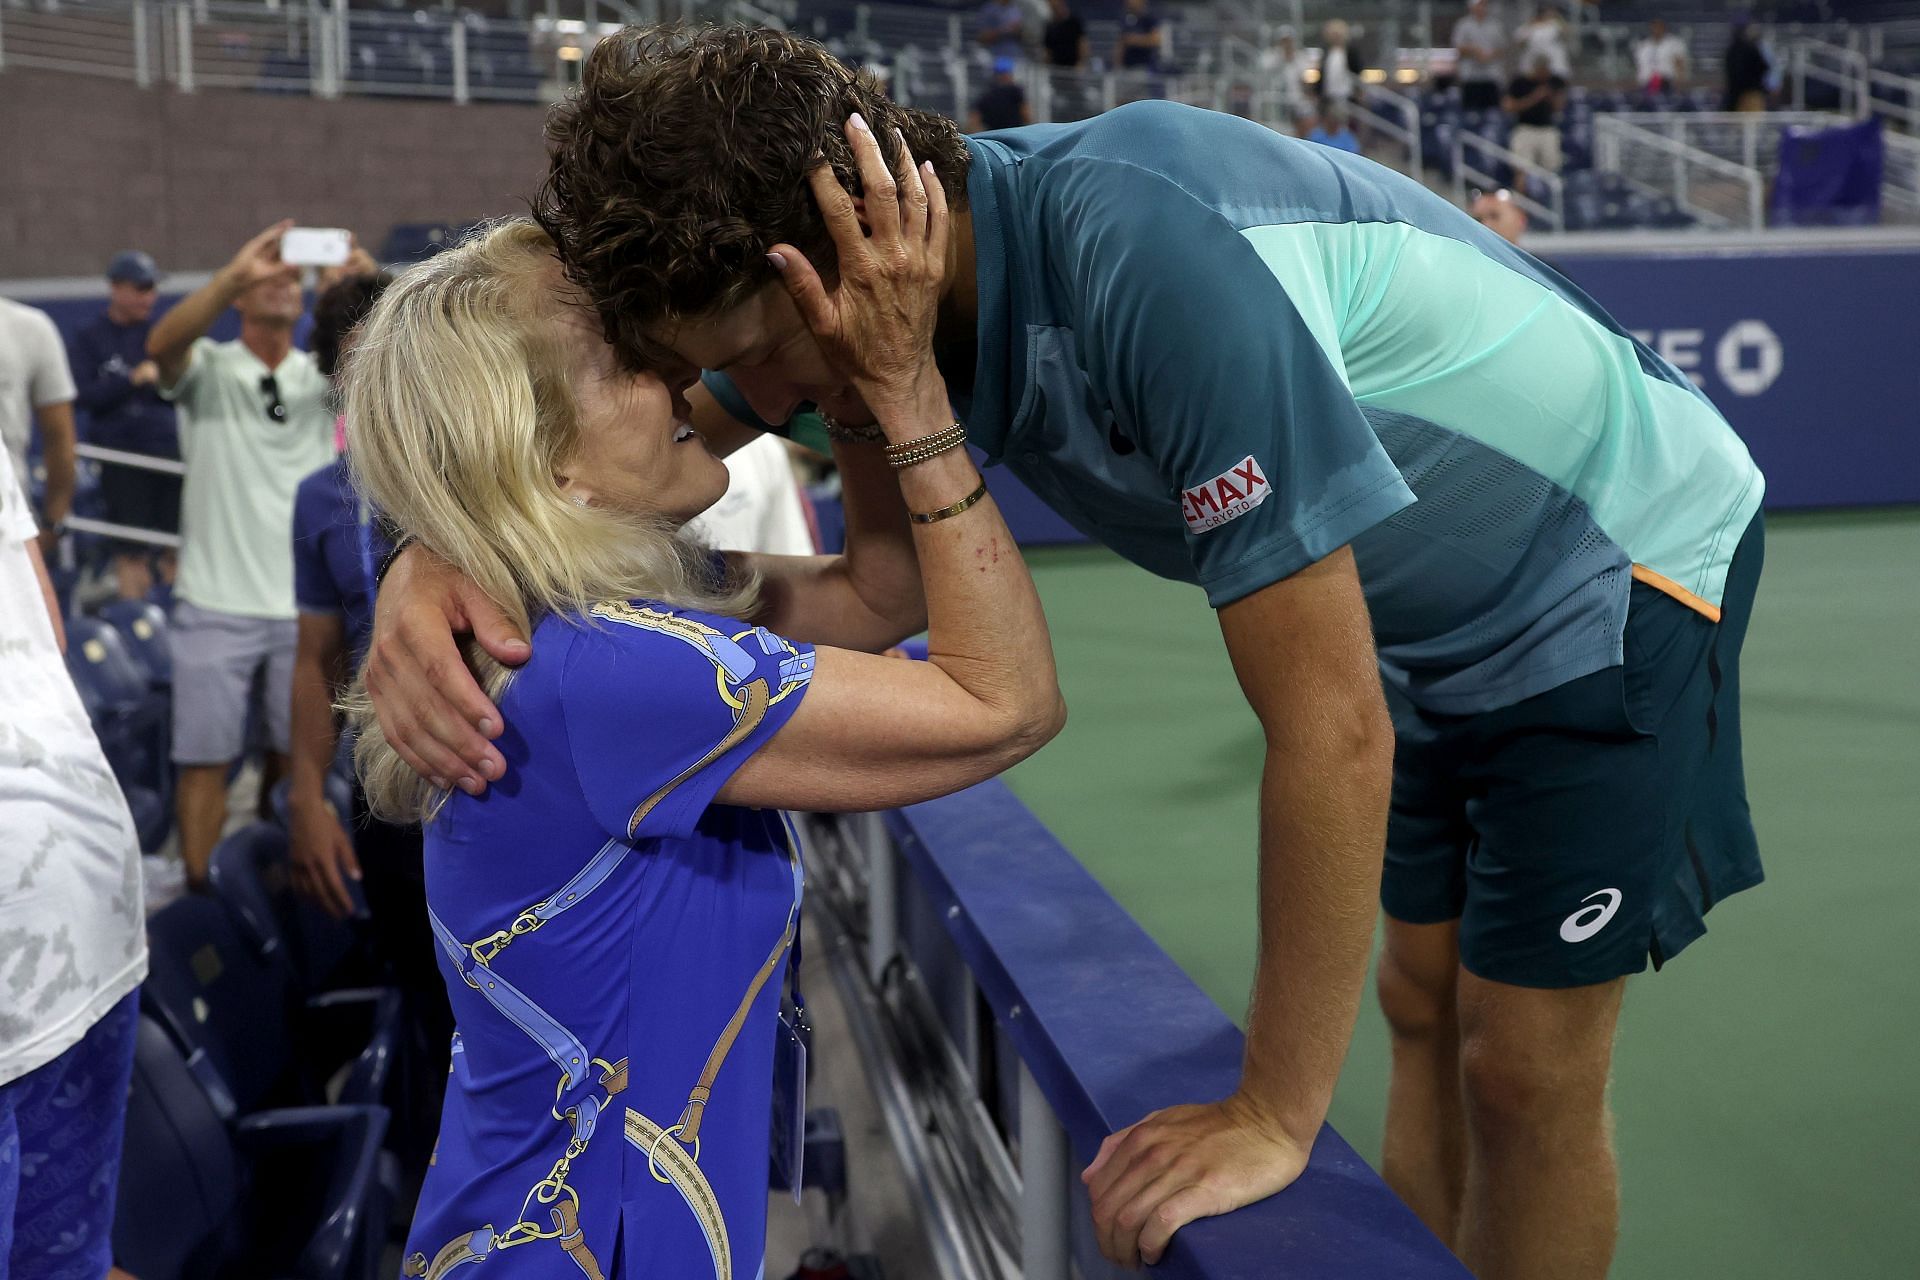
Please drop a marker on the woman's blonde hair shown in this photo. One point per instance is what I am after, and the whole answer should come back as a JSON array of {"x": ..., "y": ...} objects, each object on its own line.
[{"x": 460, "y": 414}]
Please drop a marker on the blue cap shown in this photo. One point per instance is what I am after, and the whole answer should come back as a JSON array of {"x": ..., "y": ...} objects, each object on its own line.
[
  {"x": 1003, "y": 66},
  {"x": 133, "y": 267}
]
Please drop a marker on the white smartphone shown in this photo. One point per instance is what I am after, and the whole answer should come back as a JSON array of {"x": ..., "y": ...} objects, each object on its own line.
[{"x": 315, "y": 246}]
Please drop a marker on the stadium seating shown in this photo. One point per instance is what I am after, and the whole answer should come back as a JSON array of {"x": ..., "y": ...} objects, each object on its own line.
[
  {"x": 144, "y": 629},
  {"x": 249, "y": 873},
  {"x": 128, "y": 712},
  {"x": 302, "y": 1193},
  {"x": 215, "y": 993}
]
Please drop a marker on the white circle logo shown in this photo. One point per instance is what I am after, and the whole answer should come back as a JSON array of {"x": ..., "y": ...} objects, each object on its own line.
[
  {"x": 1589, "y": 920},
  {"x": 1730, "y": 358}
]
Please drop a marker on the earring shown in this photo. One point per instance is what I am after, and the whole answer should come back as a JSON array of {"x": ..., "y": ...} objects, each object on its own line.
[{"x": 579, "y": 500}]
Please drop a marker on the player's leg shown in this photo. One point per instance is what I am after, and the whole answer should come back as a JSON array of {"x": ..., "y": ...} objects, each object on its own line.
[
  {"x": 1423, "y": 890},
  {"x": 1543, "y": 1189},
  {"x": 1423, "y": 1156}
]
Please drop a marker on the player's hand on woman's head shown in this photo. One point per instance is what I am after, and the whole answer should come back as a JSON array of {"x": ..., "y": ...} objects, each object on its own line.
[
  {"x": 429, "y": 705},
  {"x": 877, "y": 322}
]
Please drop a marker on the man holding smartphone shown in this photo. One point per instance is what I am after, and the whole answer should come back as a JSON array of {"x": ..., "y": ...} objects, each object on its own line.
[{"x": 255, "y": 419}]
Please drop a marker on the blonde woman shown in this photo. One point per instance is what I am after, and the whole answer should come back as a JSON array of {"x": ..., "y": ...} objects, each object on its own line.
[{"x": 616, "y": 915}]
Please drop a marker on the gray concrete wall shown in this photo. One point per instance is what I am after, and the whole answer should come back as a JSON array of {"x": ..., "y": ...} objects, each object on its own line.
[{"x": 92, "y": 166}]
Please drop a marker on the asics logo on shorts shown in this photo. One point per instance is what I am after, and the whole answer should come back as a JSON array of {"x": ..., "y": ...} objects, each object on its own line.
[{"x": 1589, "y": 920}]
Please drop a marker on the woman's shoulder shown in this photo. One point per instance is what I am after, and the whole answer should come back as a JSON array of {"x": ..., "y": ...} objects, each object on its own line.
[{"x": 671, "y": 640}]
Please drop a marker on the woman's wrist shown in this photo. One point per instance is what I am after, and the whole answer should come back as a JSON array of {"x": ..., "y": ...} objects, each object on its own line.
[{"x": 915, "y": 410}]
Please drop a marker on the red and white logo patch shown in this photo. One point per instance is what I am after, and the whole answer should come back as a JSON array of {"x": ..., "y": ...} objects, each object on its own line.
[{"x": 1228, "y": 496}]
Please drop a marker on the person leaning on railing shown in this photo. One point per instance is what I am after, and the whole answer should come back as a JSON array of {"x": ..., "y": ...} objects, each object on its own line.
[{"x": 616, "y": 921}]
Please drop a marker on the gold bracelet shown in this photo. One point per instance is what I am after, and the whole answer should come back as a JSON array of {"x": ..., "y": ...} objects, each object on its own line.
[
  {"x": 910, "y": 452},
  {"x": 947, "y": 513}
]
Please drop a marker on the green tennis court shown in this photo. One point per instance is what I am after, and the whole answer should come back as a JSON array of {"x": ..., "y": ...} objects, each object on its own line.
[{"x": 1768, "y": 1097}]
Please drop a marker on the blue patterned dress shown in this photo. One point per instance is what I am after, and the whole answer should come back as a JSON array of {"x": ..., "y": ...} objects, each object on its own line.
[{"x": 615, "y": 945}]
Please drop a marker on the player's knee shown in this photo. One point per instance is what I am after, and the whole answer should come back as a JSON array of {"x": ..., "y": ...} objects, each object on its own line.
[
  {"x": 1519, "y": 1084},
  {"x": 1419, "y": 1006}
]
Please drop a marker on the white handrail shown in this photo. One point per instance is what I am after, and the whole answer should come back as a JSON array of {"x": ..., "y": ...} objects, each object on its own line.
[
  {"x": 1553, "y": 213},
  {"x": 1611, "y": 131}
]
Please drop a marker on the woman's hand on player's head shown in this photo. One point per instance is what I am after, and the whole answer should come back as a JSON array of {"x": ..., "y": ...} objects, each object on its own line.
[
  {"x": 429, "y": 705},
  {"x": 877, "y": 321}
]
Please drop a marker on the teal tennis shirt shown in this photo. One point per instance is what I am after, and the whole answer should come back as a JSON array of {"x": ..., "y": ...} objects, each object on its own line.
[{"x": 1226, "y": 353}]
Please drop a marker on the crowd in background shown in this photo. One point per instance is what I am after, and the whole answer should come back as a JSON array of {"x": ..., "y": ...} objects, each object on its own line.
[
  {"x": 1521, "y": 69},
  {"x": 269, "y": 600}
]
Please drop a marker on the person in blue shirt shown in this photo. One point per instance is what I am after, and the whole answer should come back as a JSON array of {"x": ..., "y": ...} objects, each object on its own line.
[
  {"x": 119, "y": 393},
  {"x": 1483, "y": 564},
  {"x": 337, "y": 544},
  {"x": 616, "y": 925}
]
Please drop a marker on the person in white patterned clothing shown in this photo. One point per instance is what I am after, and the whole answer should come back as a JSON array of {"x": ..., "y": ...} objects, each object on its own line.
[{"x": 73, "y": 945}]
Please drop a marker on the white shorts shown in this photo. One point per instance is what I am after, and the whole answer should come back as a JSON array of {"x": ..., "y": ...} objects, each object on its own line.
[
  {"x": 215, "y": 659},
  {"x": 1537, "y": 145}
]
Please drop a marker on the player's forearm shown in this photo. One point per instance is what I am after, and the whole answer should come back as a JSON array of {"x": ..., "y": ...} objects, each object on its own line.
[{"x": 1323, "y": 820}]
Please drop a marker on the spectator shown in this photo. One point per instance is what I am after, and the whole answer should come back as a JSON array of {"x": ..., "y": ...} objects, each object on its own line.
[
  {"x": 1141, "y": 38},
  {"x": 119, "y": 389},
  {"x": 337, "y": 545},
  {"x": 1333, "y": 130},
  {"x": 1003, "y": 28},
  {"x": 1065, "y": 37},
  {"x": 1288, "y": 67},
  {"x": 762, "y": 510},
  {"x": 1478, "y": 39},
  {"x": 35, "y": 383},
  {"x": 1544, "y": 36},
  {"x": 1661, "y": 60},
  {"x": 254, "y": 422},
  {"x": 1338, "y": 76},
  {"x": 74, "y": 944},
  {"x": 1535, "y": 101},
  {"x": 1002, "y": 104},
  {"x": 1748, "y": 70},
  {"x": 1498, "y": 213}
]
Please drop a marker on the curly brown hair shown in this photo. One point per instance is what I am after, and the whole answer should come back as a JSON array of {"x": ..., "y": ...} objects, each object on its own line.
[{"x": 683, "y": 157}]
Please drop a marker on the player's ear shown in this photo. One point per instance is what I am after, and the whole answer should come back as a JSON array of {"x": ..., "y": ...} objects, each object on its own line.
[{"x": 860, "y": 212}]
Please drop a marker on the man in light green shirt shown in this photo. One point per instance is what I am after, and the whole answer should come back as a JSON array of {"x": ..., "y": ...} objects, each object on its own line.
[{"x": 255, "y": 419}]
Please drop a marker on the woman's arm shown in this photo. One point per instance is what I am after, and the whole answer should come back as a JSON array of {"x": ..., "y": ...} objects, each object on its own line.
[
  {"x": 876, "y": 732},
  {"x": 867, "y": 598}
]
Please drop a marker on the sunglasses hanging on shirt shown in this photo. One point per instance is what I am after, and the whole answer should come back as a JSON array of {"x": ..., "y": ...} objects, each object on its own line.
[{"x": 276, "y": 407}]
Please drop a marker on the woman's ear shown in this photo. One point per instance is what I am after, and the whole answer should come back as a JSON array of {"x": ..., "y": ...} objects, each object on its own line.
[{"x": 576, "y": 491}]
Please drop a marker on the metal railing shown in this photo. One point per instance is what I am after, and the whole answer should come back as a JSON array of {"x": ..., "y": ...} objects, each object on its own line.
[
  {"x": 1717, "y": 192},
  {"x": 1542, "y": 193},
  {"x": 1900, "y": 181},
  {"x": 1860, "y": 87},
  {"x": 324, "y": 48}
]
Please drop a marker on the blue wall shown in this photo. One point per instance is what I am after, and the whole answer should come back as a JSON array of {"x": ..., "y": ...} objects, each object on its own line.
[{"x": 1813, "y": 356}]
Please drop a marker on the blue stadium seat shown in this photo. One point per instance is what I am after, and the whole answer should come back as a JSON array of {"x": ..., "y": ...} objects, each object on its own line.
[
  {"x": 150, "y": 817},
  {"x": 143, "y": 626},
  {"x": 128, "y": 713},
  {"x": 292, "y": 1193},
  {"x": 249, "y": 873},
  {"x": 214, "y": 992}
]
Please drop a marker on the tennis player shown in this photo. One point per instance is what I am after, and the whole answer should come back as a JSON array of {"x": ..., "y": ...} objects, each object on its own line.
[{"x": 1483, "y": 564}]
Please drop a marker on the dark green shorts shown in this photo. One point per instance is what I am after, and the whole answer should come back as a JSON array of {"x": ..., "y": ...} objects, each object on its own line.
[{"x": 1582, "y": 832}]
